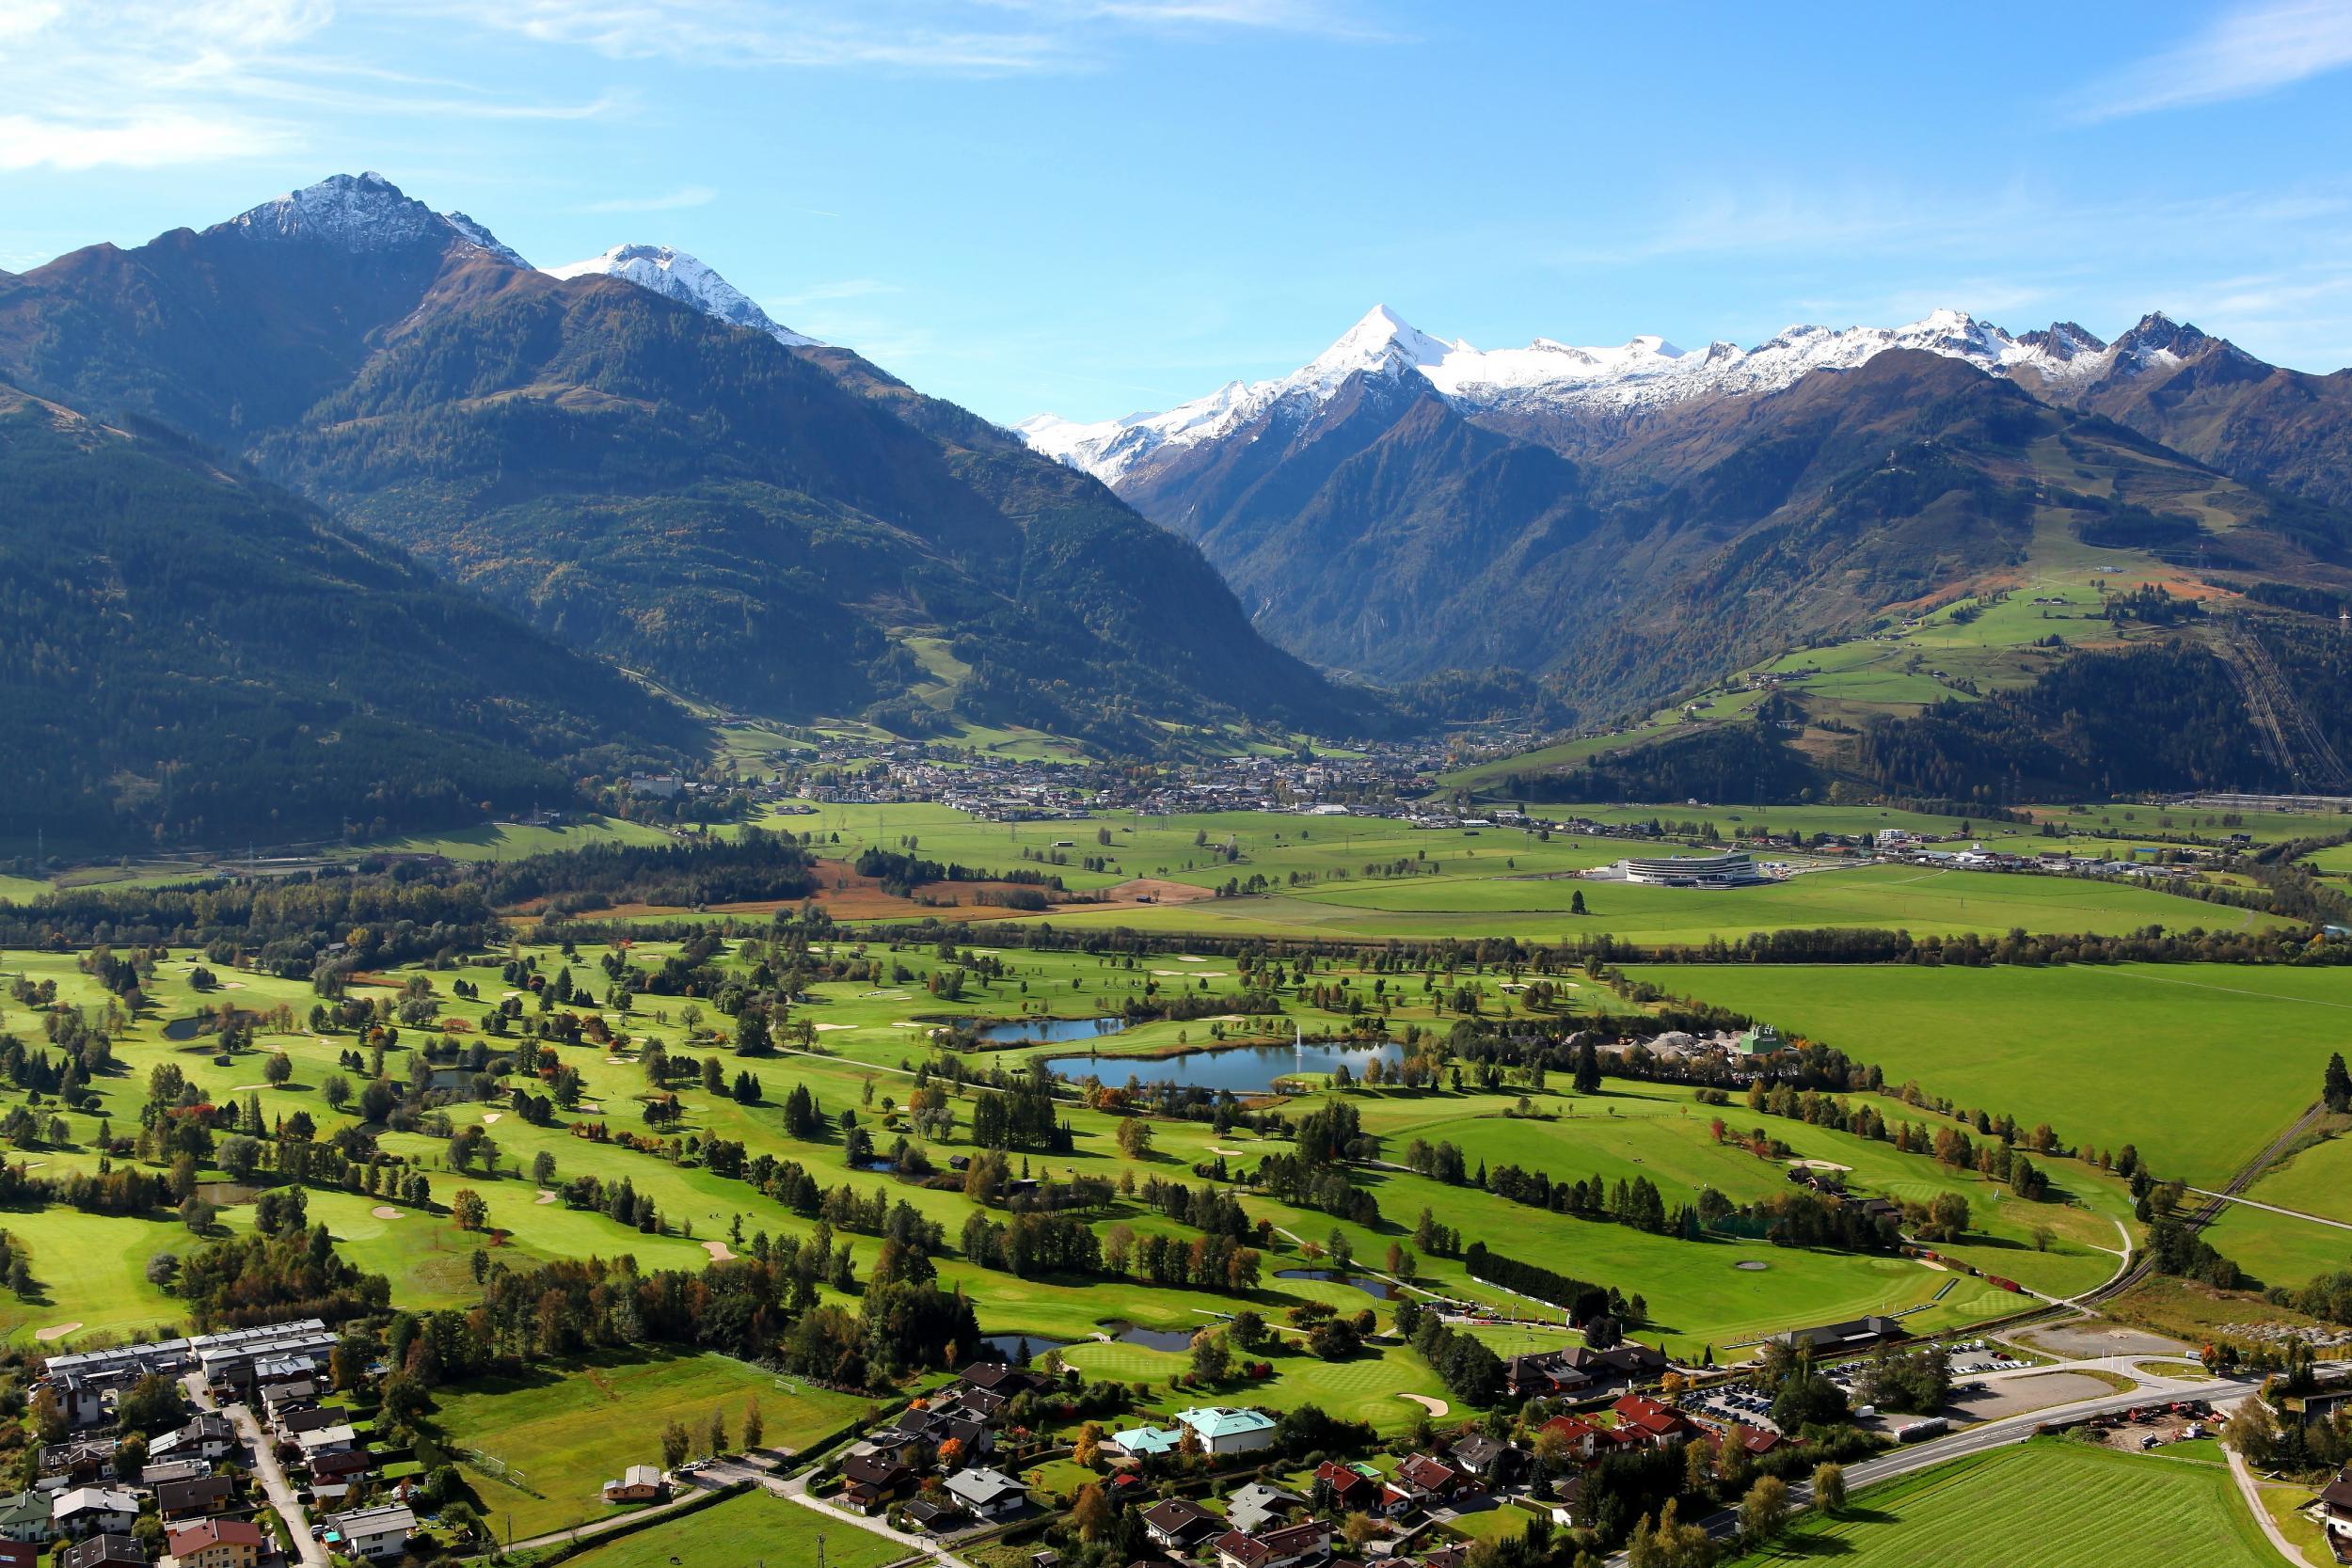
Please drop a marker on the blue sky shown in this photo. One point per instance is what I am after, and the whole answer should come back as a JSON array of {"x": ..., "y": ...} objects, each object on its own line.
[{"x": 1093, "y": 206}]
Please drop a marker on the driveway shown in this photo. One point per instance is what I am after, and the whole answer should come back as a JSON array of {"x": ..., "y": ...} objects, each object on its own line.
[
  {"x": 797, "y": 1491},
  {"x": 275, "y": 1485}
]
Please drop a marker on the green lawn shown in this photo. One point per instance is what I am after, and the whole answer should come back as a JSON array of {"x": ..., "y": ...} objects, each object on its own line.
[
  {"x": 567, "y": 1430},
  {"x": 2199, "y": 1065},
  {"x": 2064, "y": 1505},
  {"x": 754, "y": 1530}
]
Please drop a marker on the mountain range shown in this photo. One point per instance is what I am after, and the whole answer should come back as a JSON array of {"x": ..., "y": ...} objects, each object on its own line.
[
  {"x": 630, "y": 457},
  {"x": 1623, "y": 519}
]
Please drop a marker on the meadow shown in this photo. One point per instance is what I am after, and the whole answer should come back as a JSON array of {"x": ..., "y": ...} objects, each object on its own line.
[
  {"x": 2199, "y": 1066},
  {"x": 539, "y": 1448},
  {"x": 2080, "y": 1506},
  {"x": 752, "y": 1530}
]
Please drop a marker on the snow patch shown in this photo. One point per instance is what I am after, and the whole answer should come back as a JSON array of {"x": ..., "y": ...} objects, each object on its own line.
[{"x": 675, "y": 274}]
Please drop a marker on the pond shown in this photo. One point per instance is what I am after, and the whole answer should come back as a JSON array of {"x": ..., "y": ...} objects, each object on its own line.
[
  {"x": 200, "y": 1024},
  {"x": 1013, "y": 1347},
  {"x": 1046, "y": 1031},
  {"x": 1237, "y": 1069},
  {"x": 1173, "y": 1339},
  {"x": 1372, "y": 1285}
]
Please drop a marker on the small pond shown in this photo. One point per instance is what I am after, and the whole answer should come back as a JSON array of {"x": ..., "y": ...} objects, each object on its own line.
[
  {"x": 1046, "y": 1031},
  {"x": 1173, "y": 1339},
  {"x": 1237, "y": 1069},
  {"x": 1011, "y": 1347},
  {"x": 1370, "y": 1284}
]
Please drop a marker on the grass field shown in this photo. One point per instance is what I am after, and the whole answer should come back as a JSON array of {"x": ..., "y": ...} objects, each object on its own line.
[
  {"x": 754, "y": 1530},
  {"x": 2131, "y": 1054},
  {"x": 564, "y": 1431},
  {"x": 2062, "y": 1504},
  {"x": 2280, "y": 1248}
]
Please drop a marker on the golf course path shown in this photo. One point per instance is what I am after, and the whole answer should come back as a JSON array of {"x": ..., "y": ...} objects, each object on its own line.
[{"x": 2271, "y": 1208}]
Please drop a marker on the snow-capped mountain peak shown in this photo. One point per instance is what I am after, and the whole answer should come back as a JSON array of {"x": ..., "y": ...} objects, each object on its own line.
[
  {"x": 675, "y": 274},
  {"x": 1643, "y": 374},
  {"x": 360, "y": 212}
]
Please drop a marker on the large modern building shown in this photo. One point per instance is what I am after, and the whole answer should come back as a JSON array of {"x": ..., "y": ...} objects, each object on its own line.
[{"x": 1734, "y": 869}]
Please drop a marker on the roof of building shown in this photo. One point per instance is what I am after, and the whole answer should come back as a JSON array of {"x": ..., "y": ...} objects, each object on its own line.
[
  {"x": 1178, "y": 1514},
  {"x": 102, "y": 1549},
  {"x": 1213, "y": 1422},
  {"x": 1428, "y": 1474},
  {"x": 1141, "y": 1440},
  {"x": 983, "y": 1486},
  {"x": 379, "y": 1520},
  {"x": 105, "y": 1499},
  {"x": 214, "y": 1532}
]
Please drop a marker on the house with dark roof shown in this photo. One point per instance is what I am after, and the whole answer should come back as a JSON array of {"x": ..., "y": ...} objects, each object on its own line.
[
  {"x": 934, "y": 1514},
  {"x": 1853, "y": 1334},
  {"x": 1287, "y": 1547},
  {"x": 870, "y": 1480},
  {"x": 104, "y": 1551},
  {"x": 1490, "y": 1459},
  {"x": 1355, "y": 1488},
  {"x": 999, "y": 1377},
  {"x": 198, "y": 1495},
  {"x": 2335, "y": 1505},
  {"x": 1544, "y": 1374},
  {"x": 1179, "y": 1524}
]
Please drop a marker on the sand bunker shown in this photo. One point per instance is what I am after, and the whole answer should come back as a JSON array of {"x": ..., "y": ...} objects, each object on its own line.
[
  {"x": 1817, "y": 1164},
  {"x": 490, "y": 1116},
  {"x": 545, "y": 1197},
  {"x": 718, "y": 1250},
  {"x": 833, "y": 1027},
  {"x": 1429, "y": 1402},
  {"x": 385, "y": 1211},
  {"x": 55, "y": 1331}
]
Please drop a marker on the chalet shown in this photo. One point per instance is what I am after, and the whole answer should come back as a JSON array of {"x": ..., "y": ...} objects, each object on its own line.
[
  {"x": 1355, "y": 1488},
  {"x": 1491, "y": 1460},
  {"x": 1179, "y": 1524},
  {"x": 1257, "y": 1506},
  {"x": 1854, "y": 1333},
  {"x": 1758, "y": 1441},
  {"x": 281, "y": 1399},
  {"x": 341, "y": 1467},
  {"x": 1658, "y": 1426},
  {"x": 1286, "y": 1548},
  {"x": 1583, "y": 1438},
  {"x": 381, "y": 1532},
  {"x": 987, "y": 1493},
  {"x": 82, "y": 1399},
  {"x": 24, "y": 1517},
  {"x": 339, "y": 1439},
  {"x": 208, "y": 1435},
  {"x": 1223, "y": 1430},
  {"x": 216, "y": 1544},
  {"x": 935, "y": 1516},
  {"x": 80, "y": 1461},
  {"x": 294, "y": 1422},
  {"x": 1423, "y": 1479},
  {"x": 2335, "y": 1503},
  {"x": 194, "y": 1498},
  {"x": 934, "y": 1429},
  {"x": 999, "y": 1377},
  {"x": 1147, "y": 1442},
  {"x": 82, "y": 1510},
  {"x": 151, "y": 1475},
  {"x": 870, "y": 1480},
  {"x": 104, "y": 1551},
  {"x": 639, "y": 1483}
]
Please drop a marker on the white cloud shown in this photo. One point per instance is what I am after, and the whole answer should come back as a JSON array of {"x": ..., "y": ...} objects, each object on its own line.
[
  {"x": 142, "y": 141},
  {"x": 2249, "y": 51},
  {"x": 963, "y": 37},
  {"x": 669, "y": 201}
]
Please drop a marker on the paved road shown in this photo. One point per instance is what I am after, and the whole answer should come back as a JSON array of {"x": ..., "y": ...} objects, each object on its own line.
[
  {"x": 599, "y": 1527},
  {"x": 2251, "y": 1491},
  {"x": 273, "y": 1482},
  {"x": 1975, "y": 1440},
  {"x": 2271, "y": 1208}
]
